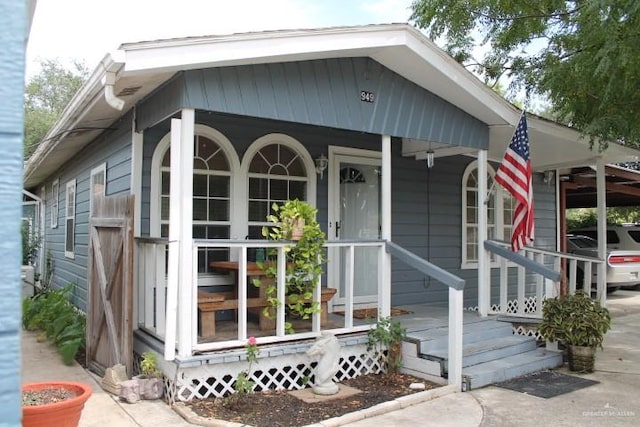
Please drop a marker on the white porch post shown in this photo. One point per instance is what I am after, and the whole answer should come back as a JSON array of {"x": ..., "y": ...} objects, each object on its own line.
[
  {"x": 455, "y": 337},
  {"x": 173, "y": 271},
  {"x": 484, "y": 283},
  {"x": 136, "y": 191},
  {"x": 186, "y": 295},
  {"x": 385, "y": 295},
  {"x": 602, "y": 228}
]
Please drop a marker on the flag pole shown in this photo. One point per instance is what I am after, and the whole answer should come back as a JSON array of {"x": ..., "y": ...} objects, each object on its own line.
[{"x": 493, "y": 183}]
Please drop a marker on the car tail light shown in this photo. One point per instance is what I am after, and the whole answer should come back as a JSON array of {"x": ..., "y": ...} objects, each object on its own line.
[{"x": 622, "y": 259}]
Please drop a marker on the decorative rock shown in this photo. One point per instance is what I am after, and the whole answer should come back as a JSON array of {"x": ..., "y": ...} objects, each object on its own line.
[
  {"x": 328, "y": 348},
  {"x": 130, "y": 391},
  {"x": 113, "y": 377},
  {"x": 417, "y": 386}
]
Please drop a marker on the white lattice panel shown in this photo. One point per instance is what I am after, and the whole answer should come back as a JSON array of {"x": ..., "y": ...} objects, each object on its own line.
[{"x": 285, "y": 372}]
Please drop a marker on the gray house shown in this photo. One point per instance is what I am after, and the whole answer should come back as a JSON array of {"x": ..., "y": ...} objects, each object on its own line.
[{"x": 394, "y": 142}]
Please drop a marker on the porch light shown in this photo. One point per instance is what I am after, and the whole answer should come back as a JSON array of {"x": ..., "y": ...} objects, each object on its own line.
[
  {"x": 430, "y": 158},
  {"x": 321, "y": 164}
]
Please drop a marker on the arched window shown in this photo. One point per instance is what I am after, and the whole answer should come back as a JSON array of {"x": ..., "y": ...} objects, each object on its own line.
[
  {"x": 213, "y": 164},
  {"x": 279, "y": 169},
  {"x": 500, "y": 206}
]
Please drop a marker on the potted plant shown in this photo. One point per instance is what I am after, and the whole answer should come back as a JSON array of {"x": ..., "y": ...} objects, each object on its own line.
[
  {"x": 149, "y": 380},
  {"x": 578, "y": 322},
  {"x": 55, "y": 403},
  {"x": 304, "y": 258}
]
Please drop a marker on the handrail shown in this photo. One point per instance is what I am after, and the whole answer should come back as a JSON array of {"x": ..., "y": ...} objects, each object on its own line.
[
  {"x": 495, "y": 247},
  {"x": 425, "y": 266}
]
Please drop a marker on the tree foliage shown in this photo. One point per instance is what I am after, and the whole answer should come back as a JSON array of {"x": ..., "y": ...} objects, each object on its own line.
[
  {"x": 582, "y": 54},
  {"x": 46, "y": 96},
  {"x": 588, "y": 217}
]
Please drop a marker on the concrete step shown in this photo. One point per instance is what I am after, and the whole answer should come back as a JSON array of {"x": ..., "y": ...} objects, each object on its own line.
[
  {"x": 506, "y": 368},
  {"x": 484, "y": 351},
  {"x": 437, "y": 339}
]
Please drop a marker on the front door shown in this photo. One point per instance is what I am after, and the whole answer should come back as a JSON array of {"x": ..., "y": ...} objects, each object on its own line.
[{"x": 354, "y": 214}]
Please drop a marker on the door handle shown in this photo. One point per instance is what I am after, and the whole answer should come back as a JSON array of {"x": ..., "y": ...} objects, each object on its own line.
[{"x": 337, "y": 229}]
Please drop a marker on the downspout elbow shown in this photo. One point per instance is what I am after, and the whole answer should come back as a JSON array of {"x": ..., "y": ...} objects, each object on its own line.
[{"x": 109, "y": 93}]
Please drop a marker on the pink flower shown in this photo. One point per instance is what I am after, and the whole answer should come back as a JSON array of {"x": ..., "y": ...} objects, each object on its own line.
[{"x": 252, "y": 341}]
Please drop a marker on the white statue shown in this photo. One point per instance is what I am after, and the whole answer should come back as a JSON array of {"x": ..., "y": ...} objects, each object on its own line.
[{"x": 328, "y": 348}]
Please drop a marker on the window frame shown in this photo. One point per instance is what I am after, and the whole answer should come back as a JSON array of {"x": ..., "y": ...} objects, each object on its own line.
[
  {"x": 70, "y": 185},
  {"x": 55, "y": 194},
  {"x": 499, "y": 224},
  {"x": 94, "y": 172}
]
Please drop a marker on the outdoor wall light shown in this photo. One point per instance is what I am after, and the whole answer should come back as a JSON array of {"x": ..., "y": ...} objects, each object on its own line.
[{"x": 321, "y": 164}]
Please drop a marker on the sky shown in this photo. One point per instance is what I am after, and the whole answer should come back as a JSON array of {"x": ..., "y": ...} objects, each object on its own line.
[{"x": 86, "y": 30}]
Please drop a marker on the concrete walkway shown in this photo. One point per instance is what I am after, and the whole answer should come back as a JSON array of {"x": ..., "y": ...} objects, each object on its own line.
[{"x": 613, "y": 402}]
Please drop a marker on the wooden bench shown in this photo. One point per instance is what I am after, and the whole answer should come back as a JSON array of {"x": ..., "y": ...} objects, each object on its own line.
[{"x": 211, "y": 302}]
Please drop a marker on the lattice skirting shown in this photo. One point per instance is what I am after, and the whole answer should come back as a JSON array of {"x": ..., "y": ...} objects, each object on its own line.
[
  {"x": 285, "y": 372},
  {"x": 530, "y": 305}
]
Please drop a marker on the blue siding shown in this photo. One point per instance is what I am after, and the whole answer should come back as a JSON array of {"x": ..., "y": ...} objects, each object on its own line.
[
  {"x": 426, "y": 212},
  {"x": 112, "y": 148},
  {"x": 323, "y": 93},
  {"x": 13, "y": 29}
]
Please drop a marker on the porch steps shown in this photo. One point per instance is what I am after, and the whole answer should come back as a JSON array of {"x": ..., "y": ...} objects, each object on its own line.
[{"x": 491, "y": 353}]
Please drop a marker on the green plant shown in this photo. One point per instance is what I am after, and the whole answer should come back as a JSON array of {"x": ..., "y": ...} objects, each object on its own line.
[
  {"x": 243, "y": 385},
  {"x": 575, "y": 320},
  {"x": 304, "y": 259},
  {"x": 58, "y": 320},
  {"x": 30, "y": 244},
  {"x": 149, "y": 365},
  {"x": 385, "y": 340}
]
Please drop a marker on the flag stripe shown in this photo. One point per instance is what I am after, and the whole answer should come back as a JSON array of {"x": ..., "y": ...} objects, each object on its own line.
[{"x": 515, "y": 174}]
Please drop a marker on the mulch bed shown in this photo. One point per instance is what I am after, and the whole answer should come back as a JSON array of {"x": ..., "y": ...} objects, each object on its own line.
[{"x": 280, "y": 409}]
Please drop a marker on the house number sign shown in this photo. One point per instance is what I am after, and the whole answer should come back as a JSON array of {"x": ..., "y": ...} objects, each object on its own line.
[{"x": 366, "y": 96}]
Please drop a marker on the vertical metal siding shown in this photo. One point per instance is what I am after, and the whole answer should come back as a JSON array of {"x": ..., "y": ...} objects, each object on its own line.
[{"x": 320, "y": 92}]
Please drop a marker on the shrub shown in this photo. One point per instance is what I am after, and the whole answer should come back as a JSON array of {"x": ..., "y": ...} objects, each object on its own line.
[{"x": 58, "y": 320}]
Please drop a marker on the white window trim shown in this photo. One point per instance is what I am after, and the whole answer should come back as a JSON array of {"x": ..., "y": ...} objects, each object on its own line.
[
  {"x": 257, "y": 145},
  {"x": 95, "y": 171},
  {"x": 156, "y": 170},
  {"x": 70, "y": 184},
  {"x": 497, "y": 192},
  {"x": 55, "y": 208}
]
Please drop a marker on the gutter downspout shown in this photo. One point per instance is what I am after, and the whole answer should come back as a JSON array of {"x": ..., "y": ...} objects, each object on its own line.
[{"x": 109, "y": 94}]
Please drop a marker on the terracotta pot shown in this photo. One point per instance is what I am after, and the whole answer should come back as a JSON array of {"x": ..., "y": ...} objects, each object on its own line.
[
  {"x": 581, "y": 359},
  {"x": 297, "y": 228},
  {"x": 60, "y": 414}
]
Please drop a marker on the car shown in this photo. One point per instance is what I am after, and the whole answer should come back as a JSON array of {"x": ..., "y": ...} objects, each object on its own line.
[
  {"x": 623, "y": 266},
  {"x": 621, "y": 236}
]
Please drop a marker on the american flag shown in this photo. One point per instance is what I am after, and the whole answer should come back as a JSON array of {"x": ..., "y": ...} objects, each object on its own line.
[{"x": 514, "y": 174}]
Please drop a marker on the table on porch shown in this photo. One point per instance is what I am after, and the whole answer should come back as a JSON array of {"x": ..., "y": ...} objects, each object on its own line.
[{"x": 211, "y": 302}]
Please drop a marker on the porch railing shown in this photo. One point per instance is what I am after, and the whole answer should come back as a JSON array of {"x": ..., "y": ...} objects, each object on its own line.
[
  {"x": 152, "y": 289},
  {"x": 543, "y": 268},
  {"x": 456, "y": 287},
  {"x": 151, "y": 282}
]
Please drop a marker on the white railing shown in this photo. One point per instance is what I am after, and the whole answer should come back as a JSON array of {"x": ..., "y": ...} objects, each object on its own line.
[
  {"x": 544, "y": 268},
  {"x": 238, "y": 252},
  {"x": 151, "y": 283}
]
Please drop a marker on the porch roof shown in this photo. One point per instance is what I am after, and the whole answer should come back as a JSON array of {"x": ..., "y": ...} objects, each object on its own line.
[{"x": 137, "y": 69}]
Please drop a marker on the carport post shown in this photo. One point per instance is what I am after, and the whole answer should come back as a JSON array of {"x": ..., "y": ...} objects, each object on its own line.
[{"x": 602, "y": 228}]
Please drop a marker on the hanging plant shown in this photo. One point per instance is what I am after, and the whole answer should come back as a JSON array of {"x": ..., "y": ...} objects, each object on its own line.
[{"x": 294, "y": 220}]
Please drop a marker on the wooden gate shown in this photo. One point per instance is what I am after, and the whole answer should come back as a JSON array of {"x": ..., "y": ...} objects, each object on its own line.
[{"x": 110, "y": 284}]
